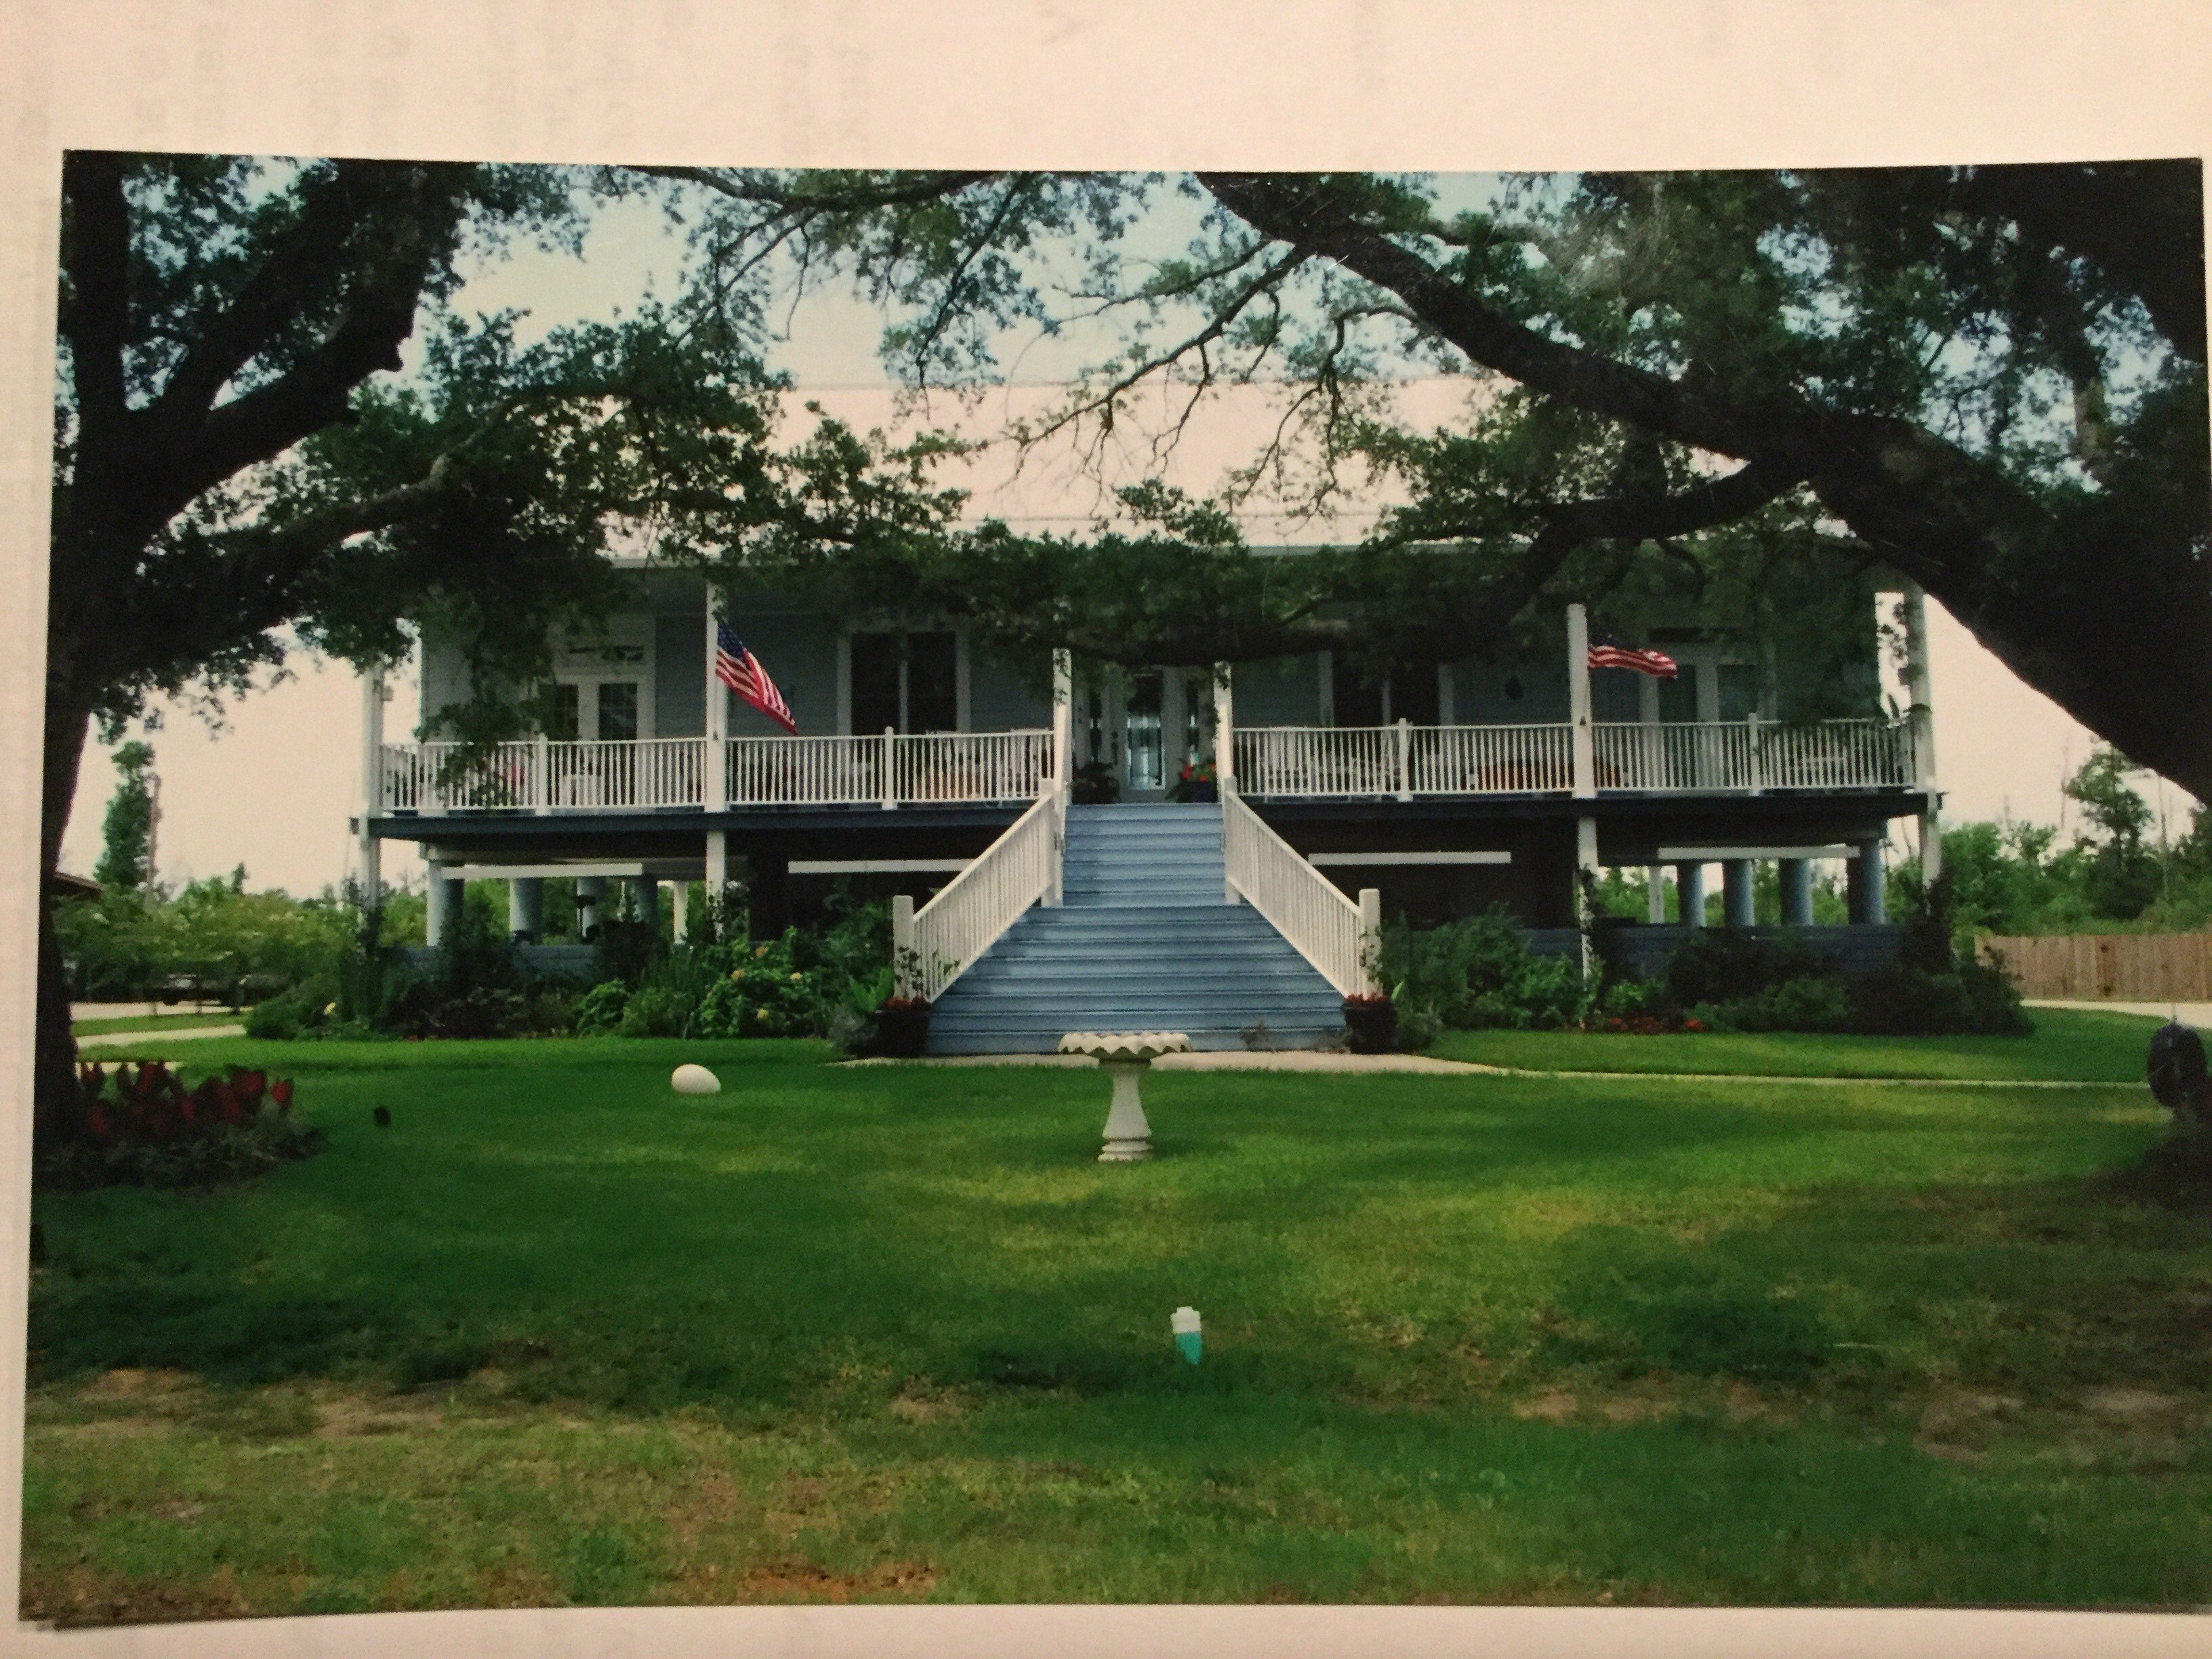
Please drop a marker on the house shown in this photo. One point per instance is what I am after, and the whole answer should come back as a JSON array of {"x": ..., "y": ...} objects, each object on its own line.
[{"x": 925, "y": 763}]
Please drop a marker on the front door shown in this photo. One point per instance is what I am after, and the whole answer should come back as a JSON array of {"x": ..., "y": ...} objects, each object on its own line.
[{"x": 1143, "y": 725}]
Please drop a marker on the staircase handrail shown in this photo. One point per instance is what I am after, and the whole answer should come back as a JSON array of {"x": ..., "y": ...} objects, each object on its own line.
[
  {"x": 932, "y": 946},
  {"x": 1341, "y": 939}
]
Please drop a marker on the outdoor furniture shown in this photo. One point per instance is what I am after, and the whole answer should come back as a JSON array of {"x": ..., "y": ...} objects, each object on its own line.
[{"x": 1125, "y": 1056}]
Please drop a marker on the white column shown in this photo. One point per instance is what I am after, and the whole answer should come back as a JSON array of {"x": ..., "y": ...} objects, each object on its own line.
[
  {"x": 1225, "y": 726},
  {"x": 1063, "y": 717},
  {"x": 1795, "y": 878},
  {"x": 891, "y": 767},
  {"x": 1654, "y": 882},
  {"x": 1920, "y": 695},
  {"x": 679, "y": 906},
  {"x": 1579, "y": 700},
  {"x": 1737, "y": 907},
  {"x": 1689, "y": 887},
  {"x": 1370, "y": 939},
  {"x": 715, "y": 783},
  {"x": 717, "y": 867},
  {"x": 367, "y": 850},
  {"x": 1405, "y": 760},
  {"x": 903, "y": 960},
  {"x": 441, "y": 904},
  {"x": 525, "y": 908}
]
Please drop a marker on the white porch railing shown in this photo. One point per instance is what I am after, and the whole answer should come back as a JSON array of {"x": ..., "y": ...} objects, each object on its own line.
[
  {"x": 1302, "y": 904},
  {"x": 1729, "y": 757},
  {"x": 1714, "y": 757},
  {"x": 932, "y": 946},
  {"x": 1403, "y": 761},
  {"x": 533, "y": 775}
]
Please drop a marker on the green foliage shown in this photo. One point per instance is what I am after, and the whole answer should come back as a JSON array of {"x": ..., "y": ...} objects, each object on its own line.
[
  {"x": 1794, "y": 1005},
  {"x": 1476, "y": 973},
  {"x": 125, "y": 944},
  {"x": 599, "y": 1010},
  {"x": 1719, "y": 964},
  {"x": 127, "y": 832}
]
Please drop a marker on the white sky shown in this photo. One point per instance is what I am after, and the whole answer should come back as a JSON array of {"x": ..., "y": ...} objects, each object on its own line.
[{"x": 273, "y": 789}]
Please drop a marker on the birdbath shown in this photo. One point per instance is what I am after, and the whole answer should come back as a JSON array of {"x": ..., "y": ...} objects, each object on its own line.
[{"x": 1125, "y": 1056}]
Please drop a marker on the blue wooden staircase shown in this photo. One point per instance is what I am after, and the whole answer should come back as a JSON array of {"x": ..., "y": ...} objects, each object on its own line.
[{"x": 1143, "y": 941}]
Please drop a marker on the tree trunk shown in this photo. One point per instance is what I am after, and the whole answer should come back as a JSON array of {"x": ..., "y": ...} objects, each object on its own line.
[{"x": 68, "y": 716}]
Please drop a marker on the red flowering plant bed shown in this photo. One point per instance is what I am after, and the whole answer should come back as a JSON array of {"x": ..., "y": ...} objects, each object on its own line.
[{"x": 140, "y": 1127}]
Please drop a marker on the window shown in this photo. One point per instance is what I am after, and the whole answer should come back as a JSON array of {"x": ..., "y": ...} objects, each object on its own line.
[
  {"x": 932, "y": 681},
  {"x": 1739, "y": 690},
  {"x": 1413, "y": 694},
  {"x": 1358, "y": 700},
  {"x": 1678, "y": 697},
  {"x": 909, "y": 681},
  {"x": 617, "y": 711},
  {"x": 566, "y": 724}
]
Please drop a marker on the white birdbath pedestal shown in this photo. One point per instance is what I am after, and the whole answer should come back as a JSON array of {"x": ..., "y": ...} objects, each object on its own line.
[{"x": 1125, "y": 1056}]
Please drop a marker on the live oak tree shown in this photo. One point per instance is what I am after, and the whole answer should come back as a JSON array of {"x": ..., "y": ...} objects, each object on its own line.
[
  {"x": 1990, "y": 380},
  {"x": 126, "y": 833},
  {"x": 240, "y": 466}
]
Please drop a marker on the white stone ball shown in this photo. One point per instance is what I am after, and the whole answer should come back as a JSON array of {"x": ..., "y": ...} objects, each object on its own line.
[{"x": 695, "y": 1080}]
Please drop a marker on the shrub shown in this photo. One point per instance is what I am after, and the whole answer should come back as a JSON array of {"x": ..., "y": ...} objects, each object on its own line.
[
  {"x": 1723, "y": 964},
  {"x": 1806, "y": 1004},
  {"x": 1479, "y": 972},
  {"x": 599, "y": 1010},
  {"x": 1902, "y": 1000},
  {"x": 656, "y": 1011},
  {"x": 766, "y": 995}
]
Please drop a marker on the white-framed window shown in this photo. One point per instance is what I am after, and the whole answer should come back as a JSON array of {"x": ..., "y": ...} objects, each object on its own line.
[
  {"x": 603, "y": 685},
  {"x": 911, "y": 680}
]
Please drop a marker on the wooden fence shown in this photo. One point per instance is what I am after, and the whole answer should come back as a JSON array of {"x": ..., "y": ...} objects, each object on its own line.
[{"x": 2107, "y": 967}]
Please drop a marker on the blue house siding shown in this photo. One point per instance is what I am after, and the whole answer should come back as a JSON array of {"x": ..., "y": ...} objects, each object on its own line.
[{"x": 998, "y": 698}]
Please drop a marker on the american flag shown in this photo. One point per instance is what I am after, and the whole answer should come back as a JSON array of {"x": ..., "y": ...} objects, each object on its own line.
[
  {"x": 1657, "y": 664},
  {"x": 739, "y": 670}
]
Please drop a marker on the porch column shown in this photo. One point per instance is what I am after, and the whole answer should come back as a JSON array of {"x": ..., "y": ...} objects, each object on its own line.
[
  {"x": 713, "y": 794},
  {"x": 1578, "y": 703},
  {"x": 1225, "y": 726},
  {"x": 648, "y": 902},
  {"x": 679, "y": 903},
  {"x": 441, "y": 904},
  {"x": 591, "y": 905},
  {"x": 1862, "y": 884},
  {"x": 1736, "y": 892},
  {"x": 1796, "y": 878},
  {"x": 367, "y": 852},
  {"x": 526, "y": 908},
  {"x": 1919, "y": 692},
  {"x": 1655, "y": 882},
  {"x": 1689, "y": 887},
  {"x": 1063, "y": 718}
]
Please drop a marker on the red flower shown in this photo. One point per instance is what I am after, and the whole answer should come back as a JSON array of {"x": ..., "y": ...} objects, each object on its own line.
[
  {"x": 96, "y": 1123},
  {"x": 280, "y": 1092},
  {"x": 1693, "y": 1025}
]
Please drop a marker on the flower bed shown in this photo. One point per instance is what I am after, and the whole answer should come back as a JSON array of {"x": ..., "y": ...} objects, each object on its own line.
[{"x": 141, "y": 1127}]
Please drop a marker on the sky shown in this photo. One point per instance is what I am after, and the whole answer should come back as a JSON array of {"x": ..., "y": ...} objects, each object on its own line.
[{"x": 273, "y": 786}]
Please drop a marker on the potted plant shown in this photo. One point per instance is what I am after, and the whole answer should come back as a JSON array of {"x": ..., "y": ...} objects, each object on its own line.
[
  {"x": 1371, "y": 1023},
  {"x": 1094, "y": 785},
  {"x": 902, "y": 1028},
  {"x": 1196, "y": 782}
]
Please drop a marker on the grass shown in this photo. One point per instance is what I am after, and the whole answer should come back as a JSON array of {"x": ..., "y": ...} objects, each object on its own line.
[
  {"x": 558, "y": 1335},
  {"x": 159, "y": 1022},
  {"x": 2069, "y": 1045}
]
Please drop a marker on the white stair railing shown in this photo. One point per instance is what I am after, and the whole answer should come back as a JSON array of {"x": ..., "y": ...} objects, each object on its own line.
[
  {"x": 932, "y": 946},
  {"x": 1339, "y": 938}
]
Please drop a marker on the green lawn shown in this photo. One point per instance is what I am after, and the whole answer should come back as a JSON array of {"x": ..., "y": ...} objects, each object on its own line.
[
  {"x": 558, "y": 1335},
  {"x": 2072, "y": 1045}
]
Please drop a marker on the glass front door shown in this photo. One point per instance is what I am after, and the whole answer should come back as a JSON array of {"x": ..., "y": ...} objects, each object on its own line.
[{"x": 1145, "y": 735}]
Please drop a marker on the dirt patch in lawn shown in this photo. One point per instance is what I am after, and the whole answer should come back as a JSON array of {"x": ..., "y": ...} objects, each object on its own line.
[
  {"x": 804, "y": 1581},
  {"x": 79, "y": 1596}
]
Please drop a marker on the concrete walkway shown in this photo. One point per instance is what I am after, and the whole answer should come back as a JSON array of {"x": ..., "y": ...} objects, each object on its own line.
[
  {"x": 1295, "y": 1060},
  {"x": 118, "y": 1039},
  {"x": 2198, "y": 1014}
]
